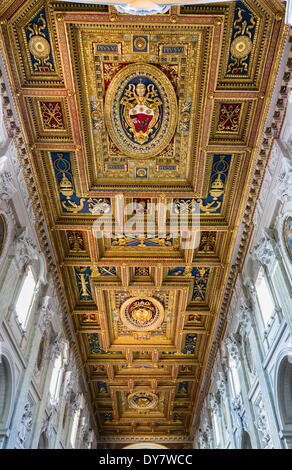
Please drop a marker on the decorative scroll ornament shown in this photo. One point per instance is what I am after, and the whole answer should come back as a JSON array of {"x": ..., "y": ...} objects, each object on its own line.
[
  {"x": 141, "y": 241},
  {"x": 283, "y": 189},
  {"x": 141, "y": 110},
  {"x": 232, "y": 346},
  {"x": 262, "y": 424},
  {"x": 25, "y": 424},
  {"x": 221, "y": 384},
  {"x": 144, "y": 313},
  {"x": 205, "y": 437},
  {"x": 239, "y": 413},
  {"x": 245, "y": 315},
  {"x": 47, "y": 308},
  {"x": 75, "y": 402},
  {"x": 215, "y": 402},
  {"x": 142, "y": 400},
  {"x": 83, "y": 426},
  {"x": 37, "y": 36},
  {"x": 50, "y": 421},
  {"x": 202, "y": 440},
  {"x": 244, "y": 28},
  {"x": 85, "y": 440},
  {"x": 58, "y": 346},
  {"x": 7, "y": 188}
]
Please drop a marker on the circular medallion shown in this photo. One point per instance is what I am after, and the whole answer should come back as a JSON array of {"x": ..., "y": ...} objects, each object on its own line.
[
  {"x": 140, "y": 43},
  {"x": 39, "y": 47},
  {"x": 241, "y": 47},
  {"x": 95, "y": 115},
  {"x": 141, "y": 172},
  {"x": 142, "y": 400},
  {"x": 141, "y": 110},
  {"x": 185, "y": 117},
  {"x": 142, "y": 313}
]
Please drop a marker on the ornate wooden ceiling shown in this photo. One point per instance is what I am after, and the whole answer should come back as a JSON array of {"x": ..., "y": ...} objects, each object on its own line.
[{"x": 116, "y": 112}]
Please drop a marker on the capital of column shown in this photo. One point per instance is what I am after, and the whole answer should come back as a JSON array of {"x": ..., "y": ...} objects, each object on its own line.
[
  {"x": 232, "y": 345},
  {"x": 266, "y": 251},
  {"x": 24, "y": 250}
]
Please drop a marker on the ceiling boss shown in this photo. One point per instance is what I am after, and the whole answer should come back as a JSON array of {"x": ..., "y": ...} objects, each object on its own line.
[{"x": 141, "y": 110}]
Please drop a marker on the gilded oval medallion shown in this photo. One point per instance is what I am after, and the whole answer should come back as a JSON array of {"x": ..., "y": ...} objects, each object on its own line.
[
  {"x": 141, "y": 110},
  {"x": 142, "y": 400},
  {"x": 142, "y": 314},
  {"x": 39, "y": 47},
  {"x": 140, "y": 43},
  {"x": 241, "y": 47}
]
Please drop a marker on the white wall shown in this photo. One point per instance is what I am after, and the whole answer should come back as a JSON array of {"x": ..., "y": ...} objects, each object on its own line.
[
  {"x": 29, "y": 416},
  {"x": 260, "y": 415}
]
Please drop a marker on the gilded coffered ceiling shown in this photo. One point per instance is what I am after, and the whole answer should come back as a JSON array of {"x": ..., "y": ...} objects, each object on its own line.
[{"x": 163, "y": 116}]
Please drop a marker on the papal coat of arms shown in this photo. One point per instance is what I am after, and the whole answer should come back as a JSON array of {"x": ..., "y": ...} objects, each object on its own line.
[
  {"x": 142, "y": 313},
  {"x": 141, "y": 110}
]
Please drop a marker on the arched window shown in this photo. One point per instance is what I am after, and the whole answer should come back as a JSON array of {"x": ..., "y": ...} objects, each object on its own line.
[
  {"x": 43, "y": 441},
  {"x": 234, "y": 378},
  {"x": 265, "y": 299},
  {"x": 56, "y": 379},
  {"x": 5, "y": 389},
  {"x": 285, "y": 390},
  {"x": 245, "y": 441},
  {"x": 25, "y": 297}
]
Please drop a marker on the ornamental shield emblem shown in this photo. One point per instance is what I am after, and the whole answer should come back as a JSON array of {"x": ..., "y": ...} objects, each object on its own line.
[{"x": 141, "y": 110}]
